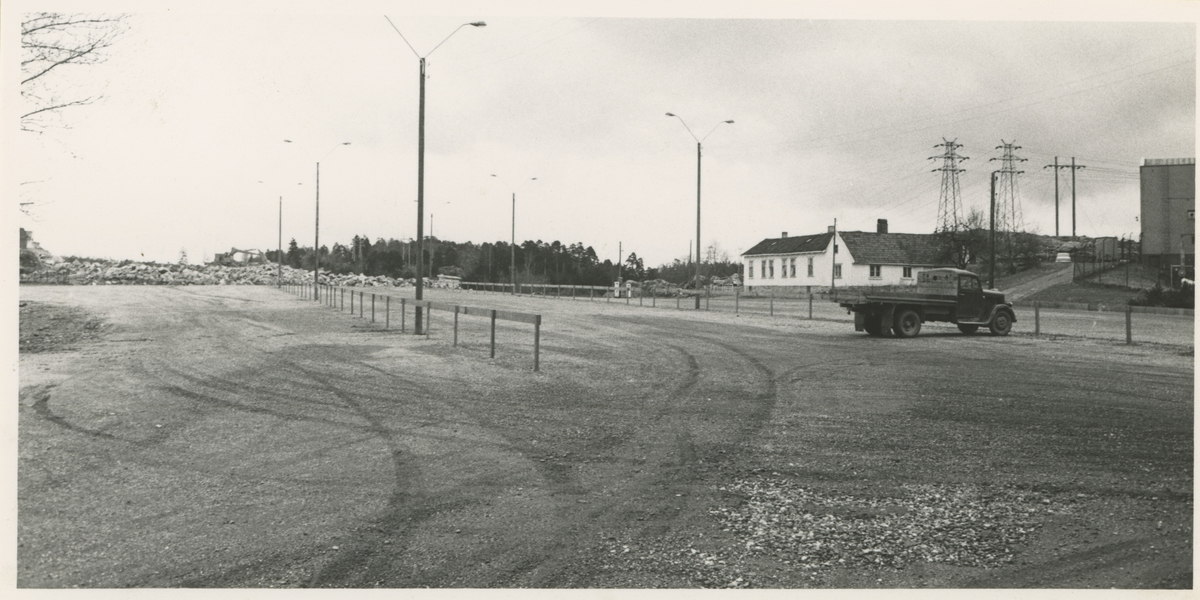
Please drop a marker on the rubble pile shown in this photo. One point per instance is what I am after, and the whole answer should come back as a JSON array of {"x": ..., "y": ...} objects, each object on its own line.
[{"x": 89, "y": 272}]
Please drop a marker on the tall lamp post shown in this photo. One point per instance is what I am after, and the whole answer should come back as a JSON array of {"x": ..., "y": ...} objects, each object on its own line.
[
  {"x": 279, "y": 252},
  {"x": 699, "y": 142},
  {"x": 317, "y": 225},
  {"x": 512, "y": 246},
  {"x": 421, "y": 161}
]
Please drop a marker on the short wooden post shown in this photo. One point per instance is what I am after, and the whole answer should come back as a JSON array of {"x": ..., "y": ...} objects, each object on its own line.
[
  {"x": 772, "y": 303},
  {"x": 707, "y": 295},
  {"x": 640, "y": 296},
  {"x": 343, "y": 295},
  {"x": 352, "y": 303},
  {"x": 653, "y": 300},
  {"x": 677, "y": 302},
  {"x": 810, "y": 307},
  {"x": 737, "y": 298},
  {"x": 402, "y": 311},
  {"x": 1128, "y": 324},
  {"x": 537, "y": 339},
  {"x": 387, "y": 311},
  {"x": 1037, "y": 318},
  {"x": 493, "y": 353},
  {"x": 428, "y": 318},
  {"x": 456, "y": 326},
  {"x": 372, "y": 308}
]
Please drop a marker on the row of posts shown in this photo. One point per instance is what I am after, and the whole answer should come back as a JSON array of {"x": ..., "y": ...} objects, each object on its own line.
[{"x": 339, "y": 301}]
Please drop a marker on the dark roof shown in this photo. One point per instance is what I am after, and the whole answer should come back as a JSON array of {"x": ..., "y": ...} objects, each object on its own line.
[
  {"x": 915, "y": 249},
  {"x": 894, "y": 248},
  {"x": 791, "y": 245}
]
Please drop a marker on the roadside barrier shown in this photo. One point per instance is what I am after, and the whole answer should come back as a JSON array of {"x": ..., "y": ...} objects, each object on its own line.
[
  {"x": 335, "y": 297},
  {"x": 1094, "y": 321}
]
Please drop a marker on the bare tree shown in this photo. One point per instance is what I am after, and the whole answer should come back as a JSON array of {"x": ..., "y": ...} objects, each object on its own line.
[{"x": 50, "y": 42}]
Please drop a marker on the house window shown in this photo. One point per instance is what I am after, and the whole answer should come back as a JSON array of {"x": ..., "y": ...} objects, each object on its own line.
[
  {"x": 810, "y": 266},
  {"x": 750, "y": 270},
  {"x": 876, "y": 271},
  {"x": 771, "y": 266},
  {"x": 793, "y": 267},
  {"x": 837, "y": 271},
  {"x": 908, "y": 272},
  {"x": 763, "y": 273}
]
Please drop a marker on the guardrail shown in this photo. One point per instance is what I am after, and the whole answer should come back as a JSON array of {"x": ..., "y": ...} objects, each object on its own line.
[
  {"x": 335, "y": 297},
  {"x": 1118, "y": 323}
]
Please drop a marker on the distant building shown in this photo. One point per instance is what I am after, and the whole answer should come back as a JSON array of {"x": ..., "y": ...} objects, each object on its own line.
[
  {"x": 1168, "y": 216},
  {"x": 863, "y": 258}
]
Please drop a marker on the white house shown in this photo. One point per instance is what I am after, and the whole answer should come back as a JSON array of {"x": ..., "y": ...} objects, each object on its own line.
[{"x": 855, "y": 258}]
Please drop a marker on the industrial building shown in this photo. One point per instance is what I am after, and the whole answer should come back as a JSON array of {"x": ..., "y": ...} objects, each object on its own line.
[{"x": 1168, "y": 215}]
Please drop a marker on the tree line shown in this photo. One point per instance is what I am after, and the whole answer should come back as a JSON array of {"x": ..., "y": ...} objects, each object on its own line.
[{"x": 535, "y": 262}]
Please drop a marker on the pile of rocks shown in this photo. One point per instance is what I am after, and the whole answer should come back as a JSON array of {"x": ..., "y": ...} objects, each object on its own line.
[{"x": 88, "y": 272}]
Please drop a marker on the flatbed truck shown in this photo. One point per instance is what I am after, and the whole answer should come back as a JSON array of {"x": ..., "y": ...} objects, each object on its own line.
[{"x": 945, "y": 295}]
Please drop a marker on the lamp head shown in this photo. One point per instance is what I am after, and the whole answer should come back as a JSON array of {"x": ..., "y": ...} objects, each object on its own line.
[
  {"x": 729, "y": 121},
  {"x": 288, "y": 141},
  {"x": 478, "y": 24},
  {"x": 670, "y": 114}
]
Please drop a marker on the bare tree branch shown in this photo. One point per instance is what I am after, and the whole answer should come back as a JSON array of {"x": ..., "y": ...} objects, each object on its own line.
[{"x": 50, "y": 41}]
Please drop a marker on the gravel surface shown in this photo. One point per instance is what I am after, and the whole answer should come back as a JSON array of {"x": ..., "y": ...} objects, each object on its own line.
[{"x": 240, "y": 437}]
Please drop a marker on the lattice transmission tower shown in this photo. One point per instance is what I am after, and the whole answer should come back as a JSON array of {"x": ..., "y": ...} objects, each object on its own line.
[
  {"x": 1008, "y": 199},
  {"x": 950, "y": 200}
]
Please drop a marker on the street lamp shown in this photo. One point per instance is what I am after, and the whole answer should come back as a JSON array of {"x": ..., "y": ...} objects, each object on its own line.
[
  {"x": 699, "y": 141},
  {"x": 317, "y": 226},
  {"x": 421, "y": 159},
  {"x": 279, "y": 252},
  {"x": 513, "y": 244}
]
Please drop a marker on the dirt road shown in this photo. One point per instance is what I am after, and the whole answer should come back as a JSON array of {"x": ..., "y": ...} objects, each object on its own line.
[{"x": 240, "y": 437}]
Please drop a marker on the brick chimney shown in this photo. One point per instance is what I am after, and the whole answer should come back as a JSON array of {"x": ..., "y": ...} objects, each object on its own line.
[
  {"x": 831, "y": 229},
  {"x": 881, "y": 226},
  {"x": 784, "y": 235}
]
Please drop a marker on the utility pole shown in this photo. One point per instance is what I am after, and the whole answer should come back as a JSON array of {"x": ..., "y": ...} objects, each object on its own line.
[
  {"x": 317, "y": 240},
  {"x": 513, "y": 245},
  {"x": 1056, "y": 168},
  {"x": 992, "y": 268},
  {"x": 1073, "y": 168},
  {"x": 279, "y": 271},
  {"x": 833, "y": 266}
]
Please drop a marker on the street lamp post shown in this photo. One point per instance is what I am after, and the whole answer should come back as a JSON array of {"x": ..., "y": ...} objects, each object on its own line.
[
  {"x": 279, "y": 256},
  {"x": 421, "y": 161},
  {"x": 699, "y": 142},
  {"x": 317, "y": 227},
  {"x": 512, "y": 246}
]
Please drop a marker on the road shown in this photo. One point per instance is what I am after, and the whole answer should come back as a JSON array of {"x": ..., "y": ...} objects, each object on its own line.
[{"x": 241, "y": 437}]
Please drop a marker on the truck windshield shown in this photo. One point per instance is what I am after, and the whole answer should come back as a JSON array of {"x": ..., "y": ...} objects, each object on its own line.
[{"x": 968, "y": 283}]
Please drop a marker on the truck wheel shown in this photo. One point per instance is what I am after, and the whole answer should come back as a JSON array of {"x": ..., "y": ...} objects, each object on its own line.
[
  {"x": 907, "y": 323},
  {"x": 1001, "y": 325},
  {"x": 968, "y": 329},
  {"x": 872, "y": 325}
]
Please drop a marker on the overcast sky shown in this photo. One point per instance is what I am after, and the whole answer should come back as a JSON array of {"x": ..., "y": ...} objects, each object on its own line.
[{"x": 836, "y": 113}]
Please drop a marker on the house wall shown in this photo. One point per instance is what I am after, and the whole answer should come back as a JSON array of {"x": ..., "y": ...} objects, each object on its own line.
[{"x": 822, "y": 269}]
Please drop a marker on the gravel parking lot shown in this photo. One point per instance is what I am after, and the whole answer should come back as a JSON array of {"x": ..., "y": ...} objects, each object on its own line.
[{"x": 242, "y": 437}]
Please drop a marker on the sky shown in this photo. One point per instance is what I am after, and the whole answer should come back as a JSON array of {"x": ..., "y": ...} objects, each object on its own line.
[{"x": 837, "y": 112}]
